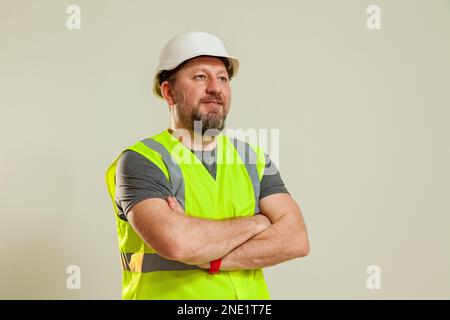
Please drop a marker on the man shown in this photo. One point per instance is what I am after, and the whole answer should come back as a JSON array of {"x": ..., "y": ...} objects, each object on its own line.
[{"x": 200, "y": 214}]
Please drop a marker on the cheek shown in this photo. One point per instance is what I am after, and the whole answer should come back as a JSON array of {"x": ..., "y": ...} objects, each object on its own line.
[
  {"x": 194, "y": 95},
  {"x": 188, "y": 93},
  {"x": 227, "y": 94}
]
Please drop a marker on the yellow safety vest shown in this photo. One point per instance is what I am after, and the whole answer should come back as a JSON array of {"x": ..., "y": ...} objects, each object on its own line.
[{"x": 234, "y": 193}]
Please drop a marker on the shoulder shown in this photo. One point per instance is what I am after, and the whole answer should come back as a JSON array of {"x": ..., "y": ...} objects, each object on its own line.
[
  {"x": 133, "y": 164},
  {"x": 141, "y": 156},
  {"x": 130, "y": 158}
]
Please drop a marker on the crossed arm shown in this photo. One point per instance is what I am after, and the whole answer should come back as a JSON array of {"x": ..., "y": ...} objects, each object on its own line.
[
  {"x": 276, "y": 235},
  {"x": 284, "y": 240}
]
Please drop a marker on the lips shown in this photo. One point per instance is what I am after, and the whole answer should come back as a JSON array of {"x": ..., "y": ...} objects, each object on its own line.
[{"x": 213, "y": 102}]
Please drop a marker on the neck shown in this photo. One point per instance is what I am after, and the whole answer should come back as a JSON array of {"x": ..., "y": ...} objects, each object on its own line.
[{"x": 193, "y": 140}]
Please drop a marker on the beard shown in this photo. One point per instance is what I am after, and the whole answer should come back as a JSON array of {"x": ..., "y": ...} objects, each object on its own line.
[{"x": 208, "y": 122}]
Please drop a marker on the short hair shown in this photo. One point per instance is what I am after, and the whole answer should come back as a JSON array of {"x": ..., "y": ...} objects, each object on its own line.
[{"x": 169, "y": 75}]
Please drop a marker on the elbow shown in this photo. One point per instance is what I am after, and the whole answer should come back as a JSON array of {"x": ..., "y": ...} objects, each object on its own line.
[
  {"x": 180, "y": 252},
  {"x": 173, "y": 250},
  {"x": 166, "y": 246},
  {"x": 304, "y": 251},
  {"x": 302, "y": 247}
]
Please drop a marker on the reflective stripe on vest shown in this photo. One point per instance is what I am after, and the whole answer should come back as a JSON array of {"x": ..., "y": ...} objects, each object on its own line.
[
  {"x": 149, "y": 262},
  {"x": 175, "y": 175},
  {"x": 249, "y": 158}
]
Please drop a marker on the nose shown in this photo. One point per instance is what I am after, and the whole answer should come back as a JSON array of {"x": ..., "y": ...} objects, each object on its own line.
[{"x": 214, "y": 86}]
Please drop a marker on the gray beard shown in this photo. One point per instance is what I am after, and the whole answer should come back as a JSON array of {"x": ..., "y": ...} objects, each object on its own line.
[{"x": 211, "y": 123}]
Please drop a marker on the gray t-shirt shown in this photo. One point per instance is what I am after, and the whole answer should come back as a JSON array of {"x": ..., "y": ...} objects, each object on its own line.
[{"x": 137, "y": 179}]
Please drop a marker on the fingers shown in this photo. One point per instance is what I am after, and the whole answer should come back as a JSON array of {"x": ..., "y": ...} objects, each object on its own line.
[
  {"x": 174, "y": 205},
  {"x": 174, "y": 202},
  {"x": 171, "y": 204}
]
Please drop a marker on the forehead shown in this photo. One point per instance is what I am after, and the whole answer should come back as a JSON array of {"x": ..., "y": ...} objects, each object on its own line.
[{"x": 212, "y": 63}]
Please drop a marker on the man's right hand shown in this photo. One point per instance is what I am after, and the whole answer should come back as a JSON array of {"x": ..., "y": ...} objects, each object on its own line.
[
  {"x": 174, "y": 204},
  {"x": 262, "y": 221}
]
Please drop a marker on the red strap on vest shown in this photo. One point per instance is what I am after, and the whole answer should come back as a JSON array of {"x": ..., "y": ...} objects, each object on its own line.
[{"x": 214, "y": 266}]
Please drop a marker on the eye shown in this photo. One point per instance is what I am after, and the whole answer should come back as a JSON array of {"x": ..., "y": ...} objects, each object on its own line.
[
  {"x": 200, "y": 76},
  {"x": 223, "y": 79}
]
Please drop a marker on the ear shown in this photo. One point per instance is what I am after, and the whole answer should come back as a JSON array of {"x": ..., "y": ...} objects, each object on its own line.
[{"x": 166, "y": 92}]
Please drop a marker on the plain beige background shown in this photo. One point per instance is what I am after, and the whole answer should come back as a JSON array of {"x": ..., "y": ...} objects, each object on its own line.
[{"x": 363, "y": 119}]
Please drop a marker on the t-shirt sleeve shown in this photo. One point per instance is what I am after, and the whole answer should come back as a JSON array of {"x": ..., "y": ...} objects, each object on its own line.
[
  {"x": 137, "y": 179},
  {"x": 271, "y": 181}
]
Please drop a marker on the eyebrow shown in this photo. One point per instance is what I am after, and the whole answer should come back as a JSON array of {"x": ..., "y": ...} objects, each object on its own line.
[{"x": 207, "y": 71}]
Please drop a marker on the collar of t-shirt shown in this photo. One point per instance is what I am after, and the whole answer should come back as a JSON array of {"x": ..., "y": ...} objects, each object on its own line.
[{"x": 208, "y": 158}]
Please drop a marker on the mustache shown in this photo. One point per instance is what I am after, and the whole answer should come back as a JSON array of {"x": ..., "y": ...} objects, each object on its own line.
[{"x": 211, "y": 98}]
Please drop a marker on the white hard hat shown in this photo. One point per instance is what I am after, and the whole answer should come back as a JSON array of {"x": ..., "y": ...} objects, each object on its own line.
[{"x": 188, "y": 45}]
